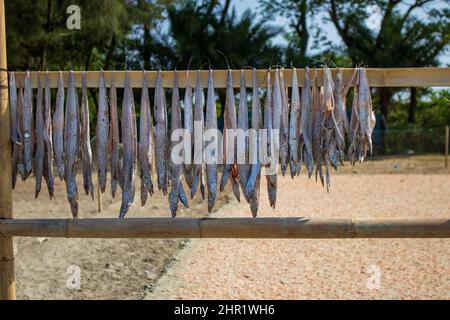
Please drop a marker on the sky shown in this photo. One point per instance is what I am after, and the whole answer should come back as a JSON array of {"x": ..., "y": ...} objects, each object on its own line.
[{"x": 328, "y": 28}]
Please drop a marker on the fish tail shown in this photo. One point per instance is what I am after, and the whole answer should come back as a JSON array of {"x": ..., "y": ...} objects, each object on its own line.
[
  {"x": 173, "y": 203},
  {"x": 225, "y": 177},
  {"x": 235, "y": 187},
  {"x": 182, "y": 196},
  {"x": 113, "y": 187},
  {"x": 73, "y": 201}
]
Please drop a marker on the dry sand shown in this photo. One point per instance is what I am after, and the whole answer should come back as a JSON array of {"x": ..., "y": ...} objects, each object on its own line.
[
  {"x": 109, "y": 268},
  {"x": 324, "y": 269},
  {"x": 278, "y": 269}
]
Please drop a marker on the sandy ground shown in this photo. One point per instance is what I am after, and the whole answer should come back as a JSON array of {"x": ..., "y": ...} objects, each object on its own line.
[
  {"x": 108, "y": 268},
  {"x": 278, "y": 269},
  {"x": 324, "y": 269}
]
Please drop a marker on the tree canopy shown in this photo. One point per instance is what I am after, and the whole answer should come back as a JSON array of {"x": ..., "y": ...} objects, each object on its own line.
[{"x": 169, "y": 33}]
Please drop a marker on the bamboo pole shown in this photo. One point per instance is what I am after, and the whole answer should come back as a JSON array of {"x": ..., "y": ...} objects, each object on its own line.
[
  {"x": 391, "y": 77},
  {"x": 7, "y": 282},
  {"x": 293, "y": 228},
  {"x": 446, "y": 145}
]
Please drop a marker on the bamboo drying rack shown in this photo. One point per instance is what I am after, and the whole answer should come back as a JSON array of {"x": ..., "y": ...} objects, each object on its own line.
[{"x": 196, "y": 227}]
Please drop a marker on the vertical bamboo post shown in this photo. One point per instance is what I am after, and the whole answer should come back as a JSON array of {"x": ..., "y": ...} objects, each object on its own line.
[
  {"x": 7, "y": 282},
  {"x": 446, "y": 145}
]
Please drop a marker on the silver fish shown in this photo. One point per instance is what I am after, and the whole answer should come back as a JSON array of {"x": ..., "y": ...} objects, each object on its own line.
[
  {"x": 18, "y": 165},
  {"x": 271, "y": 142},
  {"x": 307, "y": 124},
  {"x": 277, "y": 104},
  {"x": 189, "y": 127},
  {"x": 161, "y": 134},
  {"x": 48, "y": 156},
  {"x": 254, "y": 178},
  {"x": 212, "y": 149},
  {"x": 27, "y": 126},
  {"x": 13, "y": 110},
  {"x": 294, "y": 127},
  {"x": 340, "y": 96},
  {"x": 354, "y": 128},
  {"x": 102, "y": 132},
  {"x": 317, "y": 95},
  {"x": 15, "y": 135},
  {"x": 330, "y": 134},
  {"x": 40, "y": 144},
  {"x": 197, "y": 167},
  {"x": 366, "y": 114},
  {"x": 58, "y": 128},
  {"x": 242, "y": 153},
  {"x": 71, "y": 144},
  {"x": 145, "y": 143},
  {"x": 177, "y": 192},
  {"x": 114, "y": 139},
  {"x": 85, "y": 141},
  {"x": 284, "y": 126},
  {"x": 129, "y": 148},
  {"x": 229, "y": 154}
]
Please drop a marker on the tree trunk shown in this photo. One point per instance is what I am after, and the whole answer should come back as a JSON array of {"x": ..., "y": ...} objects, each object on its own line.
[{"x": 412, "y": 106}]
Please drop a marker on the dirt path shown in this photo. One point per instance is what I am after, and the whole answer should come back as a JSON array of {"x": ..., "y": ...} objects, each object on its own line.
[{"x": 323, "y": 269}]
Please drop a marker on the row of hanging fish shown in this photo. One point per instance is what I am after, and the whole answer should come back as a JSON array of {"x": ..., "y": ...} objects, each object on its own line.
[{"x": 309, "y": 127}]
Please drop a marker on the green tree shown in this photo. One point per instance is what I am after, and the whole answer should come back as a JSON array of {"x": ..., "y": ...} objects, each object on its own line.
[
  {"x": 38, "y": 37},
  {"x": 403, "y": 39}
]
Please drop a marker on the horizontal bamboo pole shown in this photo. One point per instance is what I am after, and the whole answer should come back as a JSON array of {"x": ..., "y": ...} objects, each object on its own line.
[
  {"x": 392, "y": 77},
  {"x": 293, "y": 228}
]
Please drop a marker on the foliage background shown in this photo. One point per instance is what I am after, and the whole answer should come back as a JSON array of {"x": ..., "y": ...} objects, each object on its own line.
[{"x": 166, "y": 34}]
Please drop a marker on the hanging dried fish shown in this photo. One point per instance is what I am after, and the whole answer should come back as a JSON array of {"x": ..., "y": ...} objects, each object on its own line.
[
  {"x": 197, "y": 170},
  {"x": 58, "y": 128},
  {"x": 306, "y": 124},
  {"x": 330, "y": 134},
  {"x": 340, "y": 117},
  {"x": 145, "y": 143},
  {"x": 253, "y": 183},
  {"x": 189, "y": 127},
  {"x": 294, "y": 127},
  {"x": 114, "y": 139},
  {"x": 340, "y": 96},
  {"x": 354, "y": 125},
  {"x": 13, "y": 110},
  {"x": 271, "y": 142},
  {"x": 102, "y": 133},
  {"x": 15, "y": 133},
  {"x": 85, "y": 141},
  {"x": 284, "y": 125},
  {"x": 317, "y": 96},
  {"x": 242, "y": 144},
  {"x": 40, "y": 144},
  {"x": 277, "y": 112},
  {"x": 28, "y": 130},
  {"x": 161, "y": 134},
  {"x": 71, "y": 144},
  {"x": 177, "y": 192},
  {"x": 129, "y": 148},
  {"x": 18, "y": 165},
  {"x": 366, "y": 115},
  {"x": 229, "y": 154},
  {"x": 48, "y": 156},
  {"x": 212, "y": 148}
]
